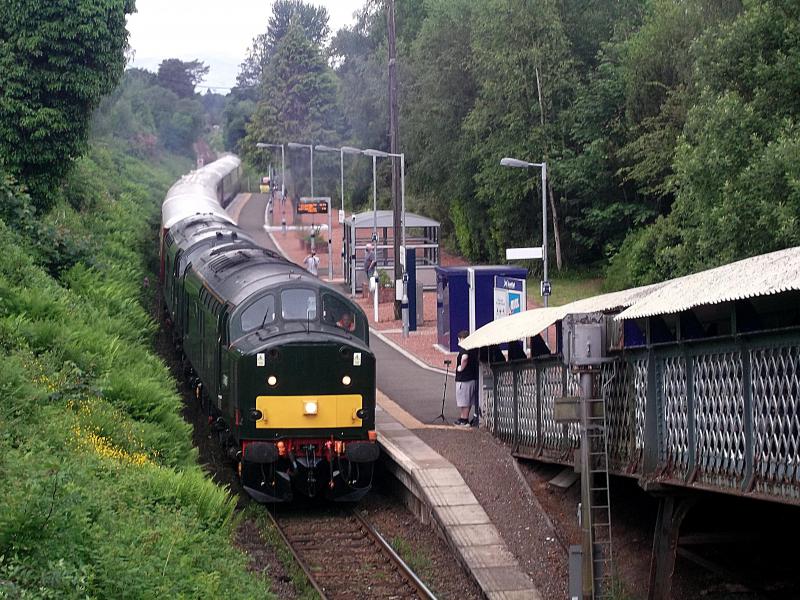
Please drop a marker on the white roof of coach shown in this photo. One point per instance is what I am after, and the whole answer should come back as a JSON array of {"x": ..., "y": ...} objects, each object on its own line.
[{"x": 196, "y": 193}]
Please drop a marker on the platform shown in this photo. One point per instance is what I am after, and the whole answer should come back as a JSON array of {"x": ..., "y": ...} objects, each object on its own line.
[{"x": 443, "y": 498}]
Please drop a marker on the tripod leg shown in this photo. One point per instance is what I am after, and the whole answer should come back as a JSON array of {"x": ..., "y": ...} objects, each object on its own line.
[
  {"x": 444, "y": 396},
  {"x": 444, "y": 393}
]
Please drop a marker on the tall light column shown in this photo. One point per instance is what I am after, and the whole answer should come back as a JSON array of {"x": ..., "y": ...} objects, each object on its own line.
[
  {"x": 295, "y": 146},
  {"x": 380, "y": 154},
  {"x": 348, "y": 150},
  {"x": 521, "y": 164},
  {"x": 283, "y": 177}
]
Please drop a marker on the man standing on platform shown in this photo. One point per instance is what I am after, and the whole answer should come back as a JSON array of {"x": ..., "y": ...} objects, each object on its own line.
[
  {"x": 466, "y": 382},
  {"x": 311, "y": 263},
  {"x": 370, "y": 261}
]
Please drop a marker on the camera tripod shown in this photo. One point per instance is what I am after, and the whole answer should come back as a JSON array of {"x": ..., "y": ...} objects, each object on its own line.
[{"x": 444, "y": 394}]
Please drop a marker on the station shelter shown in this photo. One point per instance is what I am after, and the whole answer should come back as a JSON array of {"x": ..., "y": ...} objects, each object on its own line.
[
  {"x": 465, "y": 299},
  {"x": 422, "y": 236}
]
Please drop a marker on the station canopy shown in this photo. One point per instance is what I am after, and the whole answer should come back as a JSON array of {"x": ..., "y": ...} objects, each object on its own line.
[
  {"x": 385, "y": 218},
  {"x": 761, "y": 275}
]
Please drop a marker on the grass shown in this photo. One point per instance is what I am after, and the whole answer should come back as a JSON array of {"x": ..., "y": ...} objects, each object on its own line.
[
  {"x": 416, "y": 559},
  {"x": 301, "y": 584},
  {"x": 618, "y": 590},
  {"x": 565, "y": 289}
]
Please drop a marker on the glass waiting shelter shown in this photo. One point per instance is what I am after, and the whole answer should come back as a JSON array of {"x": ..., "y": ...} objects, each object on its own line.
[{"x": 422, "y": 235}]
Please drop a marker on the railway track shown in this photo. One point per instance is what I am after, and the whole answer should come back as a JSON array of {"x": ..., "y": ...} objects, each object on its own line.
[{"x": 344, "y": 557}]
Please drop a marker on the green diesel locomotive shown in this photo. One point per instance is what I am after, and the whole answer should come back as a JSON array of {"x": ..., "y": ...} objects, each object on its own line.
[{"x": 280, "y": 359}]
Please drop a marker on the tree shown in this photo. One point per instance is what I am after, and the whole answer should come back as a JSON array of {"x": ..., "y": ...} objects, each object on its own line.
[
  {"x": 184, "y": 126},
  {"x": 313, "y": 20},
  {"x": 235, "y": 117},
  {"x": 657, "y": 66},
  {"x": 737, "y": 160},
  {"x": 440, "y": 95},
  {"x": 181, "y": 77},
  {"x": 528, "y": 80},
  {"x": 57, "y": 60},
  {"x": 298, "y": 99}
]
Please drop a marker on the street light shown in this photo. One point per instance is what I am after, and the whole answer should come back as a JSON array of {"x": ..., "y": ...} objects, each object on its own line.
[
  {"x": 342, "y": 151},
  {"x": 380, "y": 154},
  {"x": 283, "y": 163},
  {"x": 265, "y": 145},
  {"x": 521, "y": 164},
  {"x": 295, "y": 146}
]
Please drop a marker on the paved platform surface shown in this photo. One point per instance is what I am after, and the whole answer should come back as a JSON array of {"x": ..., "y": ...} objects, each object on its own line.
[{"x": 410, "y": 397}]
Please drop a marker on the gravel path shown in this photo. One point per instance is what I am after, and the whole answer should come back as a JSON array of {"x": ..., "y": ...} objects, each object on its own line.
[{"x": 489, "y": 470}]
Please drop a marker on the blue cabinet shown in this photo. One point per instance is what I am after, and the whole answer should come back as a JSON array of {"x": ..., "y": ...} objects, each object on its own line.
[{"x": 465, "y": 299}]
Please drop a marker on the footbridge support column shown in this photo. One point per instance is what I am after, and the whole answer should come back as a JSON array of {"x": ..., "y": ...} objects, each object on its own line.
[{"x": 672, "y": 509}]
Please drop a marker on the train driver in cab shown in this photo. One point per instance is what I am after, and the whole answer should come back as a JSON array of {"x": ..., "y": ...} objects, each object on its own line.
[{"x": 347, "y": 322}]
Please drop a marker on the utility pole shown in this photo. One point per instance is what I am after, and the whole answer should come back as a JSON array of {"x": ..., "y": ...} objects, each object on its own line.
[{"x": 394, "y": 140}]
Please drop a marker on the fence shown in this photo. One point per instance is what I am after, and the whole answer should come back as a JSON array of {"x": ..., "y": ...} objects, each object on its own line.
[{"x": 719, "y": 415}]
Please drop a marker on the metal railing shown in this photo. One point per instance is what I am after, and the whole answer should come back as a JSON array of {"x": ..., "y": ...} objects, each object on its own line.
[{"x": 722, "y": 415}]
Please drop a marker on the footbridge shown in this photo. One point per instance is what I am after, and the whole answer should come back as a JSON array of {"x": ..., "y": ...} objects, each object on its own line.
[{"x": 701, "y": 389}]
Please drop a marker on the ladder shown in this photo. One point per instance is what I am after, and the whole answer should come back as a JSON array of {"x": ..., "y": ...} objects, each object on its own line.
[{"x": 599, "y": 498}]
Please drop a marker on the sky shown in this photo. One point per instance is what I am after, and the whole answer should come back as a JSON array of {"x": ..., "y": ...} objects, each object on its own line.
[{"x": 216, "y": 32}]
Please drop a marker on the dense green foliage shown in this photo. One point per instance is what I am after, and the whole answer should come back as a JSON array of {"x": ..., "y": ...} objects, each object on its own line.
[
  {"x": 181, "y": 77},
  {"x": 57, "y": 60},
  {"x": 103, "y": 497},
  {"x": 669, "y": 127},
  {"x": 737, "y": 165},
  {"x": 150, "y": 117},
  {"x": 299, "y": 101}
]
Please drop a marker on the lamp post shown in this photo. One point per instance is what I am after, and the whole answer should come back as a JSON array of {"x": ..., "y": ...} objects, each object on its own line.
[
  {"x": 342, "y": 151},
  {"x": 521, "y": 164},
  {"x": 295, "y": 146},
  {"x": 283, "y": 163},
  {"x": 265, "y": 145},
  {"x": 380, "y": 154}
]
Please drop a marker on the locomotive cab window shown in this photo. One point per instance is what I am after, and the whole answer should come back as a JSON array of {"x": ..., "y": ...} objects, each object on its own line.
[
  {"x": 298, "y": 304},
  {"x": 338, "y": 312},
  {"x": 259, "y": 313}
]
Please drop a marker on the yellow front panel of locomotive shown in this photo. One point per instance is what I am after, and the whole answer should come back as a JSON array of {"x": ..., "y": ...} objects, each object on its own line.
[{"x": 303, "y": 412}]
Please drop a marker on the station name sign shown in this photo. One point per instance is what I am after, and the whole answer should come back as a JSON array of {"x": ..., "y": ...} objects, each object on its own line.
[
  {"x": 509, "y": 283},
  {"x": 313, "y": 206}
]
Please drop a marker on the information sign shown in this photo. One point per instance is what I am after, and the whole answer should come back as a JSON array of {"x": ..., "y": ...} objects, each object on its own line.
[
  {"x": 312, "y": 206},
  {"x": 509, "y": 296}
]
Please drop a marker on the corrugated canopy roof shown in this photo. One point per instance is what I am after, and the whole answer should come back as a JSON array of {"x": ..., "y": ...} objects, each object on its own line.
[
  {"x": 533, "y": 322},
  {"x": 514, "y": 327},
  {"x": 386, "y": 219},
  {"x": 757, "y": 276}
]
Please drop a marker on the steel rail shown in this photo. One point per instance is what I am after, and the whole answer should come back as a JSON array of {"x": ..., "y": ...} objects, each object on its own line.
[
  {"x": 300, "y": 561},
  {"x": 406, "y": 571},
  {"x": 399, "y": 564}
]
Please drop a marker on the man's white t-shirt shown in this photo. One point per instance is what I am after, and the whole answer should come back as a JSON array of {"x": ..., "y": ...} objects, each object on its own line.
[{"x": 311, "y": 264}]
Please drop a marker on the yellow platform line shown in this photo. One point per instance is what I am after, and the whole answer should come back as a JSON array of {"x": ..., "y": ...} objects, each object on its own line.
[{"x": 402, "y": 416}]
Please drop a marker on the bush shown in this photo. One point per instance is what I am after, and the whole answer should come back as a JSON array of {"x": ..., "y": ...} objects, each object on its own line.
[{"x": 103, "y": 497}]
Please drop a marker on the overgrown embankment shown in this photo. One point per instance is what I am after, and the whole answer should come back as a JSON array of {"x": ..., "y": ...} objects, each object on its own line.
[{"x": 102, "y": 496}]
